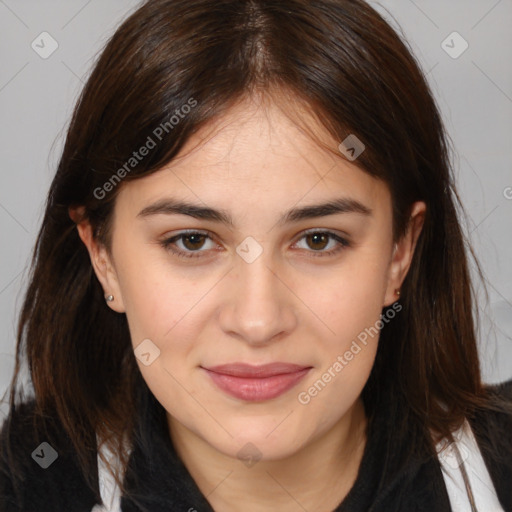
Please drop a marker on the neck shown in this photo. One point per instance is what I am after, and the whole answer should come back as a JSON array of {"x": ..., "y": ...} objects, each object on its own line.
[{"x": 317, "y": 477}]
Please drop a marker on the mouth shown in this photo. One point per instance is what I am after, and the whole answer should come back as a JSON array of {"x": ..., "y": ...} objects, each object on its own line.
[{"x": 256, "y": 383}]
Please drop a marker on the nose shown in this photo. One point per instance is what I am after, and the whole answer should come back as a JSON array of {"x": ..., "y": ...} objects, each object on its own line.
[{"x": 259, "y": 307}]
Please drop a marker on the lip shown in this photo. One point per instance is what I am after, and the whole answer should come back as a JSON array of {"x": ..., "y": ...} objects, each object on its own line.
[{"x": 256, "y": 383}]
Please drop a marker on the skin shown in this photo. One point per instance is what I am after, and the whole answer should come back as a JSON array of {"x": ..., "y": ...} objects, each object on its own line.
[{"x": 288, "y": 305}]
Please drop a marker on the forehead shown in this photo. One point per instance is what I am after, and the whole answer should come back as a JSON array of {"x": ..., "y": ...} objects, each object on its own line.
[
  {"x": 256, "y": 151},
  {"x": 255, "y": 135}
]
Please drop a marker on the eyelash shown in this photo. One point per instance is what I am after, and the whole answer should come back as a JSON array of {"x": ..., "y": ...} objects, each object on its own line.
[{"x": 169, "y": 242}]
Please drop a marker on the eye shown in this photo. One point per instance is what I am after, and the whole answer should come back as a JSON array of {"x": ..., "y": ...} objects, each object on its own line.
[
  {"x": 318, "y": 241},
  {"x": 188, "y": 243}
]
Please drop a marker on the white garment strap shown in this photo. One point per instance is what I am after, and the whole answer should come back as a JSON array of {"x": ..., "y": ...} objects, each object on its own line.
[
  {"x": 481, "y": 485},
  {"x": 109, "y": 490}
]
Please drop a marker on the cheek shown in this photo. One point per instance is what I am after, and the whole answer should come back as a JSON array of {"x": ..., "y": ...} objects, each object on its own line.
[
  {"x": 346, "y": 358},
  {"x": 350, "y": 299},
  {"x": 157, "y": 296},
  {"x": 165, "y": 308},
  {"x": 350, "y": 306}
]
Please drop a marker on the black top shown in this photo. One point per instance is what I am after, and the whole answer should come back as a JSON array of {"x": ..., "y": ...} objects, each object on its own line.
[{"x": 393, "y": 475}]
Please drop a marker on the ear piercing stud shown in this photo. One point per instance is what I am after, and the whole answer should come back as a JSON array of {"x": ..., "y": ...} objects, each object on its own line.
[
  {"x": 109, "y": 298},
  {"x": 397, "y": 292}
]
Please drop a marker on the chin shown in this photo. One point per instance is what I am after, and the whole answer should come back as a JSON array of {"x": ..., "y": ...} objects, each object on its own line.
[{"x": 264, "y": 440}]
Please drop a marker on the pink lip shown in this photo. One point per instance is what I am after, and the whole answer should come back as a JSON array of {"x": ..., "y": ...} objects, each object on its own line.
[{"x": 256, "y": 383}]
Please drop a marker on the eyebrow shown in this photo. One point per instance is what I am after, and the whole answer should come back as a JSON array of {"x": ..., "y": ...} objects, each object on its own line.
[{"x": 172, "y": 207}]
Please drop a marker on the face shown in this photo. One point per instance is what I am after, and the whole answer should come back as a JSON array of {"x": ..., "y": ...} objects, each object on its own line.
[{"x": 255, "y": 247}]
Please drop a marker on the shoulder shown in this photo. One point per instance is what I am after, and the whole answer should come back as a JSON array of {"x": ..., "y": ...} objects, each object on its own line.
[
  {"x": 503, "y": 389},
  {"x": 493, "y": 432},
  {"x": 38, "y": 471},
  {"x": 497, "y": 417},
  {"x": 490, "y": 424}
]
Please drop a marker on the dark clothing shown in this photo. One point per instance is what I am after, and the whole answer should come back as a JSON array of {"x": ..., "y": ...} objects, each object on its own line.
[{"x": 390, "y": 479}]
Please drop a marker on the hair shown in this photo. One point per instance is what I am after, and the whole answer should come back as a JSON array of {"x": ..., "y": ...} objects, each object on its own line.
[{"x": 343, "y": 61}]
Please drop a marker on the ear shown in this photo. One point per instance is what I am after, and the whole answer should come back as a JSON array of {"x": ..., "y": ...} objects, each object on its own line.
[
  {"x": 101, "y": 260},
  {"x": 403, "y": 252}
]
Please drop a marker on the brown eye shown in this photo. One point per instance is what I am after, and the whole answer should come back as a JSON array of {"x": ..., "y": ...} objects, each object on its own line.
[
  {"x": 189, "y": 244},
  {"x": 194, "y": 241},
  {"x": 322, "y": 243},
  {"x": 317, "y": 241}
]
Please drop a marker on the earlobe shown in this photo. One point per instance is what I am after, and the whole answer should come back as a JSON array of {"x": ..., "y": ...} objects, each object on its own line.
[
  {"x": 403, "y": 252},
  {"x": 102, "y": 266}
]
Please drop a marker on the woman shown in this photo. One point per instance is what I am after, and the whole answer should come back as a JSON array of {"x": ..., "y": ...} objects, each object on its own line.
[{"x": 250, "y": 288}]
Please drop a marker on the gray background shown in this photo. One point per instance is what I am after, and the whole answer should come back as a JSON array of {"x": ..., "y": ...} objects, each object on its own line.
[{"x": 474, "y": 92}]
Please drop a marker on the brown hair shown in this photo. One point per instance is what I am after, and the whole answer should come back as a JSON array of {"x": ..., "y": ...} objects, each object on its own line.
[{"x": 343, "y": 60}]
